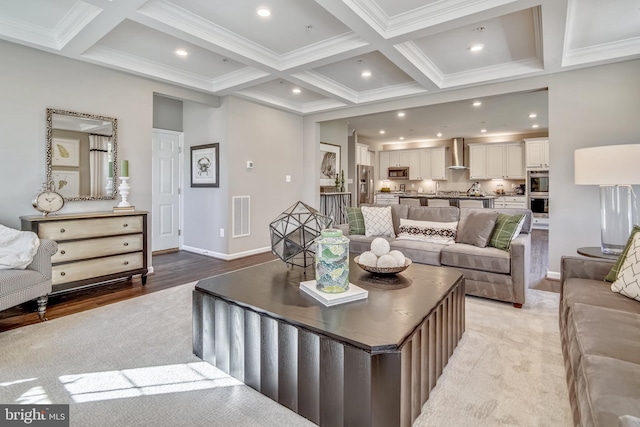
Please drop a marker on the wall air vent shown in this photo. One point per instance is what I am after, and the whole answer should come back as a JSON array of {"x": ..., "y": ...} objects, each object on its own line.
[{"x": 241, "y": 214}]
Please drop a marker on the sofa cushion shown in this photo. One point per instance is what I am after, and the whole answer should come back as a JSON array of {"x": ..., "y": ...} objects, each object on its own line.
[
  {"x": 628, "y": 281},
  {"x": 356, "y": 221},
  {"x": 420, "y": 252},
  {"x": 594, "y": 292},
  {"x": 378, "y": 221},
  {"x": 590, "y": 331},
  {"x": 607, "y": 388},
  {"x": 476, "y": 228},
  {"x": 613, "y": 274},
  {"x": 428, "y": 231},
  {"x": 472, "y": 257},
  {"x": 506, "y": 229}
]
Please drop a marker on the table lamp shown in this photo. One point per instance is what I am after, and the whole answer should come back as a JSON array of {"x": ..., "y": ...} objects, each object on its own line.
[{"x": 615, "y": 168}]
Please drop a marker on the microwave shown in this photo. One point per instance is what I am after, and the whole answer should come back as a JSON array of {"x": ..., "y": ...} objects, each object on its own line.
[
  {"x": 400, "y": 172},
  {"x": 538, "y": 183}
]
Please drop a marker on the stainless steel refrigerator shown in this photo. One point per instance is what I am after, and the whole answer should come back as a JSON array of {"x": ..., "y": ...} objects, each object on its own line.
[{"x": 365, "y": 184}]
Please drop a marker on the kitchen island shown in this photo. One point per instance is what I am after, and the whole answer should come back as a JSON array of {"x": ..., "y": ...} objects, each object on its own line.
[{"x": 454, "y": 199}]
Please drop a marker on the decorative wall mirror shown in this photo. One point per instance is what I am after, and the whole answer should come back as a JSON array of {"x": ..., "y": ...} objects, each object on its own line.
[{"x": 82, "y": 154}]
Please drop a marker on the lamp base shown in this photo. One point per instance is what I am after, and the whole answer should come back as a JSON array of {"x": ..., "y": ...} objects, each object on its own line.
[{"x": 618, "y": 214}]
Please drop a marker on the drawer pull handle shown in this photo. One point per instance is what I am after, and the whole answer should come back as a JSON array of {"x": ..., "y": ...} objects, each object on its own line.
[
  {"x": 62, "y": 252},
  {"x": 125, "y": 225},
  {"x": 63, "y": 273},
  {"x": 62, "y": 230},
  {"x": 126, "y": 263},
  {"x": 126, "y": 243}
]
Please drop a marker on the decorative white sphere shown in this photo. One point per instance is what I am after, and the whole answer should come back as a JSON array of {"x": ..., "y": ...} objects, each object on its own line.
[
  {"x": 380, "y": 246},
  {"x": 368, "y": 258},
  {"x": 398, "y": 256},
  {"x": 387, "y": 261}
]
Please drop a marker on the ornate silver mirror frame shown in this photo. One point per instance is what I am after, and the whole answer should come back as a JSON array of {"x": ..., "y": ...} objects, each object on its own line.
[{"x": 82, "y": 155}]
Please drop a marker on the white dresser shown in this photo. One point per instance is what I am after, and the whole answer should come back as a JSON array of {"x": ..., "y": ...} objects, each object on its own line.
[{"x": 93, "y": 248}]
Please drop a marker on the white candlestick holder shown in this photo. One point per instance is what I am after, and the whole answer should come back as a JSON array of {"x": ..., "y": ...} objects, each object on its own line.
[{"x": 123, "y": 189}]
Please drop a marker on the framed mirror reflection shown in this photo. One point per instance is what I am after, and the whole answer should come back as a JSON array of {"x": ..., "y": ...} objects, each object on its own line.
[{"x": 82, "y": 151}]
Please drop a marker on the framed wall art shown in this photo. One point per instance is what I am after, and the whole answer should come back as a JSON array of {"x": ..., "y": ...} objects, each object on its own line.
[
  {"x": 329, "y": 163},
  {"x": 65, "y": 152},
  {"x": 205, "y": 162},
  {"x": 67, "y": 183}
]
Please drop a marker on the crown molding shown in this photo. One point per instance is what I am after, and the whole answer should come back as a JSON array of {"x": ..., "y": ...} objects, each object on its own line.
[
  {"x": 320, "y": 50},
  {"x": 618, "y": 50},
  {"x": 416, "y": 56},
  {"x": 238, "y": 78},
  {"x": 328, "y": 85},
  {"x": 390, "y": 92},
  {"x": 80, "y": 15}
]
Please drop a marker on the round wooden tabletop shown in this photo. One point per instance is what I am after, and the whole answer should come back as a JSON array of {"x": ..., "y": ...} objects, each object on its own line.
[{"x": 595, "y": 252}]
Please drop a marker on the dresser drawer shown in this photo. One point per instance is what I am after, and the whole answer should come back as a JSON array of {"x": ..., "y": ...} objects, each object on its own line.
[
  {"x": 92, "y": 248},
  {"x": 73, "y": 271},
  {"x": 86, "y": 228}
]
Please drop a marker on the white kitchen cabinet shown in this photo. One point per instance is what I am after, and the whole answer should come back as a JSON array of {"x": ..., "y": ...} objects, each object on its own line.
[
  {"x": 497, "y": 161},
  {"x": 438, "y": 163},
  {"x": 362, "y": 155},
  {"x": 537, "y": 153},
  {"x": 399, "y": 158},
  {"x": 387, "y": 199},
  {"x": 512, "y": 202},
  {"x": 383, "y": 161},
  {"x": 415, "y": 166},
  {"x": 477, "y": 161}
]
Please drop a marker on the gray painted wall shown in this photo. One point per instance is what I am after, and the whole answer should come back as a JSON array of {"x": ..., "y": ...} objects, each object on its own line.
[{"x": 167, "y": 113}]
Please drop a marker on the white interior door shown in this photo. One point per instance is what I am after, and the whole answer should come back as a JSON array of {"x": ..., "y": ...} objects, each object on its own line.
[{"x": 165, "y": 211}]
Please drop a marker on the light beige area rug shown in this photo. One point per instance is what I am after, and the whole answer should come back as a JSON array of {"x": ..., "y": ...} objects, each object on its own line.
[{"x": 130, "y": 364}]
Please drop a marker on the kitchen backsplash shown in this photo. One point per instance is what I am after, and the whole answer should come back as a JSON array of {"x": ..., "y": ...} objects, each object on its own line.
[{"x": 458, "y": 180}]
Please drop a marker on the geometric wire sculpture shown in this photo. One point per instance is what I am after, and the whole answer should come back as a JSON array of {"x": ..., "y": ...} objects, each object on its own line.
[{"x": 293, "y": 234}]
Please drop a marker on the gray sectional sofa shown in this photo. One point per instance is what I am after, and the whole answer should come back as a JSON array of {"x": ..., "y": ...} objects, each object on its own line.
[
  {"x": 600, "y": 334},
  {"x": 489, "y": 272}
]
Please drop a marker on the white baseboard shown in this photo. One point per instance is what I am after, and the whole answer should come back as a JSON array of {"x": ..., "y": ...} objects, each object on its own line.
[
  {"x": 553, "y": 275},
  {"x": 150, "y": 270},
  {"x": 225, "y": 257}
]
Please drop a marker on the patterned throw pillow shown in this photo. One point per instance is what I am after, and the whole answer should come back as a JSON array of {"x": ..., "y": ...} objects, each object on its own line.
[
  {"x": 613, "y": 274},
  {"x": 377, "y": 221},
  {"x": 428, "y": 231},
  {"x": 356, "y": 221},
  {"x": 506, "y": 229},
  {"x": 628, "y": 281}
]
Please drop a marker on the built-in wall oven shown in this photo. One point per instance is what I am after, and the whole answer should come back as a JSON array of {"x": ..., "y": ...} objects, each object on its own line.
[{"x": 538, "y": 193}]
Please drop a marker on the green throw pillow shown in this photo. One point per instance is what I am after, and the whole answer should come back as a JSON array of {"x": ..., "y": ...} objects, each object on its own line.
[
  {"x": 356, "y": 221},
  {"x": 506, "y": 229},
  {"x": 613, "y": 274}
]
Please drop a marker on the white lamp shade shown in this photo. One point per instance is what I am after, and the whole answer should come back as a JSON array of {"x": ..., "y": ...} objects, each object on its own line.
[{"x": 608, "y": 165}]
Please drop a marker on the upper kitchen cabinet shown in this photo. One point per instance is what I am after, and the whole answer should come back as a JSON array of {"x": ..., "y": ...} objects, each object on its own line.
[
  {"x": 399, "y": 158},
  {"x": 383, "y": 161},
  {"x": 537, "y": 153},
  {"x": 427, "y": 163},
  {"x": 497, "y": 161},
  {"x": 363, "y": 155}
]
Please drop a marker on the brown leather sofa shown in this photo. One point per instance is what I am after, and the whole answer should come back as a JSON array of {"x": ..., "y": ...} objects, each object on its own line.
[{"x": 600, "y": 334}]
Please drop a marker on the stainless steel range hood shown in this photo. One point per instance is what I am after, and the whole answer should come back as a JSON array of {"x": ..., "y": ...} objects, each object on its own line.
[{"x": 457, "y": 154}]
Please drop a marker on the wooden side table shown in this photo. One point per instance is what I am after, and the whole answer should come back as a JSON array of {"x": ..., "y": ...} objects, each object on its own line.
[{"x": 595, "y": 252}]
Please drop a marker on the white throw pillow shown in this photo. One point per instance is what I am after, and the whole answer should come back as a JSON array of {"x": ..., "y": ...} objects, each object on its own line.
[
  {"x": 628, "y": 281},
  {"x": 377, "y": 221},
  {"x": 428, "y": 231}
]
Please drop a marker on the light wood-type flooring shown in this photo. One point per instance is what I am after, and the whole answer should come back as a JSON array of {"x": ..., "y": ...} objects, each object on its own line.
[{"x": 180, "y": 267}]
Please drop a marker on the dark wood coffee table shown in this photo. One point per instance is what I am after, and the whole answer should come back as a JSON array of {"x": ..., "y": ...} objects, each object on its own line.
[{"x": 367, "y": 363}]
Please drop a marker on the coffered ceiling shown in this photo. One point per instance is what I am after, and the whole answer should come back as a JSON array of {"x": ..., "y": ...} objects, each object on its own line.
[{"x": 322, "y": 47}]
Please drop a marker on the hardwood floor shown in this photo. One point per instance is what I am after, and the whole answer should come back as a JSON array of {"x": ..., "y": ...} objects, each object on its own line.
[
  {"x": 177, "y": 268},
  {"x": 170, "y": 269}
]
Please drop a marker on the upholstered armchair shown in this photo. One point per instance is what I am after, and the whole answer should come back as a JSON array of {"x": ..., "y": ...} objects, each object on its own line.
[{"x": 19, "y": 286}]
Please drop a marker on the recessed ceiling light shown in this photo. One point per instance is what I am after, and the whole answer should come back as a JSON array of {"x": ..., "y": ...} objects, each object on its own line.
[
  {"x": 264, "y": 12},
  {"x": 366, "y": 74},
  {"x": 477, "y": 103},
  {"x": 439, "y": 134},
  {"x": 476, "y": 47},
  {"x": 533, "y": 115},
  {"x": 401, "y": 138},
  {"x": 483, "y": 130},
  {"x": 382, "y": 132},
  {"x": 181, "y": 52},
  {"x": 534, "y": 126},
  {"x": 401, "y": 114},
  {"x": 296, "y": 90}
]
